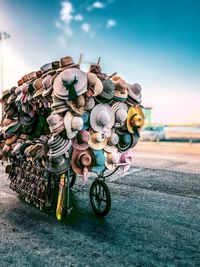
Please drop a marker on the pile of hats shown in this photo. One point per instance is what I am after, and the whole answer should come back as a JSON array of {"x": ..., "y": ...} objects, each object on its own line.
[{"x": 60, "y": 116}]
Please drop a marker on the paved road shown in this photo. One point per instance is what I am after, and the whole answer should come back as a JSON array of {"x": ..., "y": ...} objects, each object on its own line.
[{"x": 154, "y": 221}]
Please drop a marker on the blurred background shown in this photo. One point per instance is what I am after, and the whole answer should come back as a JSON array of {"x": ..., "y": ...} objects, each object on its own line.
[{"x": 154, "y": 43}]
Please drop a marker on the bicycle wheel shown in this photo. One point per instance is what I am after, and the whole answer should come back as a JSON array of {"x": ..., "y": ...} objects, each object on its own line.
[{"x": 100, "y": 198}]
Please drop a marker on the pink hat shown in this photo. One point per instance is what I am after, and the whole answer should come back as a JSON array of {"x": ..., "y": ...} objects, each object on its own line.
[
  {"x": 126, "y": 160},
  {"x": 80, "y": 142}
]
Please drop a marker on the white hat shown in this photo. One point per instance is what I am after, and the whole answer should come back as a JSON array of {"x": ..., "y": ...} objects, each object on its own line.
[
  {"x": 111, "y": 160},
  {"x": 102, "y": 118},
  {"x": 73, "y": 124},
  {"x": 111, "y": 143},
  {"x": 120, "y": 110}
]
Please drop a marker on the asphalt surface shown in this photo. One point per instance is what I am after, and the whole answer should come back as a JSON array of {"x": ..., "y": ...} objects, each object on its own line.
[{"x": 154, "y": 221}]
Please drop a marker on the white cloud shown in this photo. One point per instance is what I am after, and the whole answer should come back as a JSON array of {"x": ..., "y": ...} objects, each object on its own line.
[
  {"x": 97, "y": 4},
  {"x": 110, "y": 23},
  {"x": 85, "y": 27},
  {"x": 66, "y": 17},
  {"x": 61, "y": 40},
  {"x": 78, "y": 17}
]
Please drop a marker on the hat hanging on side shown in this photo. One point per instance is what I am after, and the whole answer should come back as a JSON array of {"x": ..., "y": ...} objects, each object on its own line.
[
  {"x": 102, "y": 118},
  {"x": 56, "y": 123},
  {"x": 111, "y": 160},
  {"x": 58, "y": 146},
  {"x": 73, "y": 124},
  {"x": 125, "y": 142},
  {"x": 126, "y": 159},
  {"x": 89, "y": 103},
  {"x": 82, "y": 162},
  {"x": 106, "y": 96},
  {"x": 134, "y": 93},
  {"x": 97, "y": 140},
  {"x": 77, "y": 105},
  {"x": 120, "y": 111},
  {"x": 80, "y": 141},
  {"x": 66, "y": 63},
  {"x": 57, "y": 165},
  {"x": 86, "y": 120},
  {"x": 47, "y": 84},
  {"x": 112, "y": 141},
  {"x": 99, "y": 162},
  {"x": 95, "y": 86},
  {"x": 39, "y": 88},
  {"x": 135, "y": 119}
]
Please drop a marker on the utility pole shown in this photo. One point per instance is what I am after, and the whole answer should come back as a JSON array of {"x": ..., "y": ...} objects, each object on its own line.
[{"x": 3, "y": 37}]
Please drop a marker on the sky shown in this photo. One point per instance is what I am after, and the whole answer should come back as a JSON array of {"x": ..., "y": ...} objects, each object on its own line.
[{"x": 155, "y": 43}]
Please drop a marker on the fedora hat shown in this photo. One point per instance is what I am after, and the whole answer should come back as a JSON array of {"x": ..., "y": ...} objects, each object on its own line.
[
  {"x": 134, "y": 93},
  {"x": 45, "y": 68},
  {"x": 120, "y": 111},
  {"x": 47, "y": 84},
  {"x": 56, "y": 123},
  {"x": 89, "y": 103},
  {"x": 135, "y": 119},
  {"x": 58, "y": 146},
  {"x": 73, "y": 124},
  {"x": 39, "y": 88},
  {"x": 112, "y": 141},
  {"x": 121, "y": 93},
  {"x": 86, "y": 120},
  {"x": 80, "y": 141},
  {"x": 97, "y": 140},
  {"x": 66, "y": 63},
  {"x": 77, "y": 105},
  {"x": 111, "y": 160},
  {"x": 106, "y": 96},
  {"x": 57, "y": 165},
  {"x": 95, "y": 86},
  {"x": 125, "y": 142},
  {"x": 82, "y": 162},
  {"x": 126, "y": 160},
  {"x": 102, "y": 118},
  {"x": 99, "y": 162},
  {"x": 70, "y": 83},
  {"x": 96, "y": 68}
]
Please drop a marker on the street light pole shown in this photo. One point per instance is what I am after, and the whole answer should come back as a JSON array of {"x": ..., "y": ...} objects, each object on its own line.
[{"x": 3, "y": 37}]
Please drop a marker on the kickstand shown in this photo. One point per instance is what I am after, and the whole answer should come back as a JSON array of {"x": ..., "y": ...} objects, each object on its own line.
[{"x": 68, "y": 208}]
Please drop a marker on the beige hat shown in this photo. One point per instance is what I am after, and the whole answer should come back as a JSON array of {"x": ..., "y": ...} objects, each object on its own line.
[
  {"x": 55, "y": 122},
  {"x": 39, "y": 88},
  {"x": 111, "y": 160},
  {"x": 120, "y": 111},
  {"x": 95, "y": 86},
  {"x": 73, "y": 124},
  {"x": 66, "y": 63},
  {"x": 97, "y": 140},
  {"x": 112, "y": 141},
  {"x": 77, "y": 105}
]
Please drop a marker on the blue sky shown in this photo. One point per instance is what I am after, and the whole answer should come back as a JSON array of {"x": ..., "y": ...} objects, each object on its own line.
[{"x": 153, "y": 42}]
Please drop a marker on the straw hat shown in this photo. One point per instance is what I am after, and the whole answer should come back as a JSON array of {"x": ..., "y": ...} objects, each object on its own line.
[
  {"x": 95, "y": 86},
  {"x": 70, "y": 83},
  {"x": 47, "y": 84},
  {"x": 135, "y": 119},
  {"x": 73, "y": 124},
  {"x": 56, "y": 123},
  {"x": 39, "y": 88},
  {"x": 82, "y": 162},
  {"x": 97, "y": 140},
  {"x": 126, "y": 159},
  {"x": 112, "y": 141},
  {"x": 121, "y": 86},
  {"x": 66, "y": 63},
  {"x": 102, "y": 118},
  {"x": 111, "y": 160},
  {"x": 77, "y": 105},
  {"x": 120, "y": 111},
  {"x": 89, "y": 103},
  {"x": 57, "y": 165},
  {"x": 99, "y": 162},
  {"x": 134, "y": 93},
  {"x": 58, "y": 146},
  {"x": 80, "y": 142}
]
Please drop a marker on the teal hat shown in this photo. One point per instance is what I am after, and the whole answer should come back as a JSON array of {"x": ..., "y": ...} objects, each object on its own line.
[
  {"x": 13, "y": 129},
  {"x": 125, "y": 142},
  {"x": 100, "y": 160},
  {"x": 86, "y": 120}
]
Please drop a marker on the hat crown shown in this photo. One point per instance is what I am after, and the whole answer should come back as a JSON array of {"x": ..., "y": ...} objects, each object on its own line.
[
  {"x": 121, "y": 115},
  {"x": 126, "y": 158},
  {"x": 65, "y": 61},
  {"x": 83, "y": 136},
  {"x": 89, "y": 103},
  {"x": 79, "y": 101},
  {"x": 136, "y": 120},
  {"x": 126, "y": 139},
  {"x": 108, "y": 87},
  {"x": 47, "y": 81},
  {"x": 85, "y": 117},
  {"x": 77, "y": 123},
  {"x": 114, "y": 139},
  {"x": 100, "y": 159},
  {"x": 84, "y": 159},
  {"x": 136, "y": 88},
  {"x": 54, "y": 119},
  {"x": 103, "y": 118},
  {"x": 113, "y": 158}
]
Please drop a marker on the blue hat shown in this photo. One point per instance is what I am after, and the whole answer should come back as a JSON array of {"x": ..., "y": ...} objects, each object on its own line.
[
  {"x": 100, "y": 160},
  {"x": 125, "y": 142},
  {"x": 86, "y": 120}
]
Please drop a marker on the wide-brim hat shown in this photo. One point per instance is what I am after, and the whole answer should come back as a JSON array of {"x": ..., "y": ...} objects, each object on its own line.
[
  {"x": 108, "y": 92},
  {"x": 73, "y": 124},
  {"x": 135, "y": 119},
  {"x": 95, "y": 85},
  {"x": 99, "y": 163},
  {"x": 70, "y": 83},
  {"x": 60, "y": 109},
  {"x": 125, "y": 142},
  {"x": 97, "y": 140},
  {"x": 39, "y": 88},
  {"x": 89, "y": 103},
  {"x": 55, "y": 121},
  {"x": 47, "y": 84},
  {"x": 77, "y": 105},
  {"x": 112, "y": 141},
  {"x": 66, "y": 63},
  {"x": 126, "y": 160},
  {"x": 80, "y": 142},
  {"x": 82, "y": 162},
  {"x": 102, "y": 118},
  {"x": 58, "y": 146},
  {"x": 57, "y": 165},
  {"x": 111, "y": 160},
  {"x": 13, "y": 129},
  {"x": 134, "y": 92},
  {"x": 120, "y": 112}
]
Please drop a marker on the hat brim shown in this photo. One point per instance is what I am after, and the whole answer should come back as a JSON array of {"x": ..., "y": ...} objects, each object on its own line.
[
  {"x": 75, "y": 166},
  {"x": 131, "y": 113},
  {"x": 67, "y": 122}
]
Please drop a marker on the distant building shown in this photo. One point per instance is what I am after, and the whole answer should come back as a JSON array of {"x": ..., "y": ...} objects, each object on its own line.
[{"x": 148, "y": 115}]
